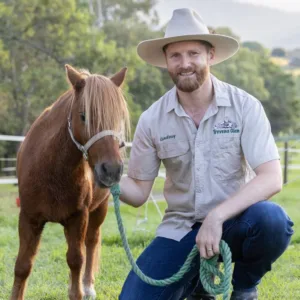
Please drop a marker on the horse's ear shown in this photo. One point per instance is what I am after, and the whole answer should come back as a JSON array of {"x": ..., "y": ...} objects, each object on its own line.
[
  {"x": 119, "y": 77},
  {"x": 75, "y": 78}
]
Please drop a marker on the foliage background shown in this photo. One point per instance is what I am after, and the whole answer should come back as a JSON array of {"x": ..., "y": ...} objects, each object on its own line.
[{"x": 38, "y": 37}]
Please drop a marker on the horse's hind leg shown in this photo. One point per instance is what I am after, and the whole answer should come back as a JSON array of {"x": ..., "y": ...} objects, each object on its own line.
[
  {"x": 93, "y": 244},
  {"x": 29, "y": 235},
  {"x": 75, "y": 231}
]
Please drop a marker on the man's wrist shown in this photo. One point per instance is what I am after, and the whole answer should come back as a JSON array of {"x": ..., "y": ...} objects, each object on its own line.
[{"x": 216, "y": 214}]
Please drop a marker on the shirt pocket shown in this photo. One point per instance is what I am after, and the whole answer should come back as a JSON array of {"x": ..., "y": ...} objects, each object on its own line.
[
  {"x": 227, "y": 161},
  {"x": 177, "y": 159}
]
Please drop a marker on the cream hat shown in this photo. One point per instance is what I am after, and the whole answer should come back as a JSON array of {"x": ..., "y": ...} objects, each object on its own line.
[{"x": 186, "y": 25}]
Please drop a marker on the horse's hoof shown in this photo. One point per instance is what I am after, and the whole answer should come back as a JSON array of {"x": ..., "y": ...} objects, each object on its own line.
[{"x": 89, "y": 293}]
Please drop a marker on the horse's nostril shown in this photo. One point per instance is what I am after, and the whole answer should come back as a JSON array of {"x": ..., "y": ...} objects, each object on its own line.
[{"x": 104, "y": 168}]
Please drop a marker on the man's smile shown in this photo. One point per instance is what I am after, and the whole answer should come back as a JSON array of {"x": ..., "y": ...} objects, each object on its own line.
[{"x": 186, "y": 74}]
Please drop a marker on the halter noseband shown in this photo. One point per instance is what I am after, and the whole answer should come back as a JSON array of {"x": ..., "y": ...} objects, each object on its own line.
[{"x": 84, "y": 149}]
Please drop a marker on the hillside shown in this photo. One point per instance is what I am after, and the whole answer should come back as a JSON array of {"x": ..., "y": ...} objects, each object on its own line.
[{"x": 270, "y": 27}]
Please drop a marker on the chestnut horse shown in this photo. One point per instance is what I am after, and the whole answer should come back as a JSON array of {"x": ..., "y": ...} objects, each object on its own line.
[{"x": 66, "y": 164}]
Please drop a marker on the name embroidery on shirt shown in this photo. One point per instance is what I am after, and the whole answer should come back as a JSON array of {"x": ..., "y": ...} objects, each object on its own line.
[
  {"x": 167, "y": 137},
  {"x": 227, "y": 126}
]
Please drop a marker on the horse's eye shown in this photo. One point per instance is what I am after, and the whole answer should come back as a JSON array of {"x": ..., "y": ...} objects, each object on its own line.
[
  {"x": 82, "y": 116},
  {"x": 122, "y": 144}
]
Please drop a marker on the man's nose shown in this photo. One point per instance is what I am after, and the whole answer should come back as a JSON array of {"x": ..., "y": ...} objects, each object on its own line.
[{"x": 185, "y": 62}]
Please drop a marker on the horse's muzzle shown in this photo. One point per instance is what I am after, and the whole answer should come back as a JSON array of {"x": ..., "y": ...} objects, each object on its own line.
[{"x": 107, "y": 174}]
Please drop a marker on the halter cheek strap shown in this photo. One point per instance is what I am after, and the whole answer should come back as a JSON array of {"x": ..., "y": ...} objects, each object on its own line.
[{"x": 84, "y": 149}]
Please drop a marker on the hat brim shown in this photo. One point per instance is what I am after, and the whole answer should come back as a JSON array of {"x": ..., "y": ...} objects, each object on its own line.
[{"x": 151, "y": 51}]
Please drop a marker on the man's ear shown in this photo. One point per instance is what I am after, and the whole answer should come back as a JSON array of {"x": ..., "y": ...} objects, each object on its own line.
[
  {"x": 74, "y": 77},
  {"x": 211, "y": 56},
  {"x": 119, "y": 77}
]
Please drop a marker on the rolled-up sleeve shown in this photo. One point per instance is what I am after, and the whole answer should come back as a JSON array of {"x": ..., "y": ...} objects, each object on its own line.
[
  {"x": 143, "y": 162},
  {"x": 257, "y": 140}
]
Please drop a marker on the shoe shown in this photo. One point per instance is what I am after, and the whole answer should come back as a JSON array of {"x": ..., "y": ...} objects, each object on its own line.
[
  {"x": 200, "y": 293},
  {"x": 240, "y": 295},
  {"x": 201, "y": 297}
]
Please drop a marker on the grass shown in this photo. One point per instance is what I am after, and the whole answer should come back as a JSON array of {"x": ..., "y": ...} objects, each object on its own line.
[{"x": 49, "y": 279}]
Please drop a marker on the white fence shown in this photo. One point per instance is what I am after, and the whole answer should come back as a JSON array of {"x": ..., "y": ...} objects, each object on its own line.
[
  {"x": 13, "y": 180},
  {"x": 140, "y": 217},
  {"x": 9, "y": 165},
  {"x": 12, "y": 138},
  {"x": 12, "y": 168}
]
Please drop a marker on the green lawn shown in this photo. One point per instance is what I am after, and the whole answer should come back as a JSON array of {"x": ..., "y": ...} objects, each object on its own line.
[{"x": 49, "y": 279}]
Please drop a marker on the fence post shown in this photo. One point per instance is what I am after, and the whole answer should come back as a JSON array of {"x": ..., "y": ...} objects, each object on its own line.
[{"x": 286, "y": 161}]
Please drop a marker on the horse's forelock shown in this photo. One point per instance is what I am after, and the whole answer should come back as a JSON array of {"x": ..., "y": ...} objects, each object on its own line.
[{"x": 104, "y": 105}]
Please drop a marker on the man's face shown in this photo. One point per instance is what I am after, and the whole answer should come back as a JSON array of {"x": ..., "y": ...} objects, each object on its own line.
[{"x": 188, "y": 64}]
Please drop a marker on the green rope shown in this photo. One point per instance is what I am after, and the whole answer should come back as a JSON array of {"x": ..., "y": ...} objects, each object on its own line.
[{"x": 208, "y": 267}]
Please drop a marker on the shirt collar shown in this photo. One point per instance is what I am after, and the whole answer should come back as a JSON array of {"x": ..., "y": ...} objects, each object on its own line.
[
  {"x": 221, "y": 97},
  {"x": 173, "y": 99}
]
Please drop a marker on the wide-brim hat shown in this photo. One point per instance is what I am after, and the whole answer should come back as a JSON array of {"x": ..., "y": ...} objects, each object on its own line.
[{"x": 186, "y": 25}]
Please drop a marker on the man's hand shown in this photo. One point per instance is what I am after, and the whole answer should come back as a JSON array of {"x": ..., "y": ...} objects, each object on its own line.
[{"x": 209, "y": 237}]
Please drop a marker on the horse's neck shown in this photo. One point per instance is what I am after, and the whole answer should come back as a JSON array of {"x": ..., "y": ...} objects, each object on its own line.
[{"x": 57, "y": 137}]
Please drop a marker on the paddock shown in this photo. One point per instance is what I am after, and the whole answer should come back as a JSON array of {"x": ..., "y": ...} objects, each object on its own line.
[{"x": 49, "y": 278}]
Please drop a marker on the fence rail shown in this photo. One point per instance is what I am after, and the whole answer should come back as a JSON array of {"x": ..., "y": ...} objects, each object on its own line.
[
  {"x": 287, "y": 150},
  {"x": 12, "y": 138}
]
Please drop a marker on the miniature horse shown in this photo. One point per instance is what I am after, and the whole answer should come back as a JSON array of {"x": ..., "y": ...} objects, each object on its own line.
[{"x": 66, "y": 164}]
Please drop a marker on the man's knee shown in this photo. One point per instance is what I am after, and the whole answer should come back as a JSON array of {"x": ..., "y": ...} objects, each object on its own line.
[
  {"x": 270, "y": 221},
  {"x": 270, "y": 216}
]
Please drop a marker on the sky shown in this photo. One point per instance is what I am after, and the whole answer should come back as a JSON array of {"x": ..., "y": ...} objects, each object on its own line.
[{"x": 287, "y": 5}]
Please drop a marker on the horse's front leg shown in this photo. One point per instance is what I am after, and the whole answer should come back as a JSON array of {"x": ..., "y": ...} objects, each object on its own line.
[
  {"x": 29, "y": 234},
  {"x": 93, "y": 247},
  {"x": 75, "y": 231}
]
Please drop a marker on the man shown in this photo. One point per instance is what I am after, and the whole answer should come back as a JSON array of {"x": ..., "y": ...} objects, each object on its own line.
[{"x": 208, "y": 134}]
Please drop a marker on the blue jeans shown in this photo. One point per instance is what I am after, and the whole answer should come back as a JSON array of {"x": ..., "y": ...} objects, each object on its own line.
[{"x": 257, "y": 237}]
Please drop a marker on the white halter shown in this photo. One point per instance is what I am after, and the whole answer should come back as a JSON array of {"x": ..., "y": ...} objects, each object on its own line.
[{"x": 84, "y": 149}]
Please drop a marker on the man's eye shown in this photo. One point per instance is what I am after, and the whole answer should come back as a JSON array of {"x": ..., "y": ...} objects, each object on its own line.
[
  {"x": 82, "y": 116},
  {"x": 122, "y": 144}
]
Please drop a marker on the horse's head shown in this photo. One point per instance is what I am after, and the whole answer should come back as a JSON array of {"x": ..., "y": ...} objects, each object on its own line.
[{"x": 98, "y": 122}]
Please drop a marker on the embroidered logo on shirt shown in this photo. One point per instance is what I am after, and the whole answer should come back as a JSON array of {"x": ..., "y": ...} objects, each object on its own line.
[
  {"x": 167, "y": 137},
  {"x": 227, "y": 126}
]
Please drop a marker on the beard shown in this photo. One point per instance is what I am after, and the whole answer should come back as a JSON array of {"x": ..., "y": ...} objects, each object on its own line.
[{"x": 189, "y": 84}]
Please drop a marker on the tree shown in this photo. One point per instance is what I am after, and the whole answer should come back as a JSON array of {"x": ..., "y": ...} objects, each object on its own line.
[
  {"x": 254, "y": 46},
  {"x": 256, "y": 74},
  {"x": 283, "y": 105},
  {"x": 243, "y": 71},
  {"x": 36, "y": 39},
  {"x": 278, "y": 52},
  {"x": 225, "y": 31},
  {"x": 36, "y": 36},
  {"x": 126, "y": 25}
]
